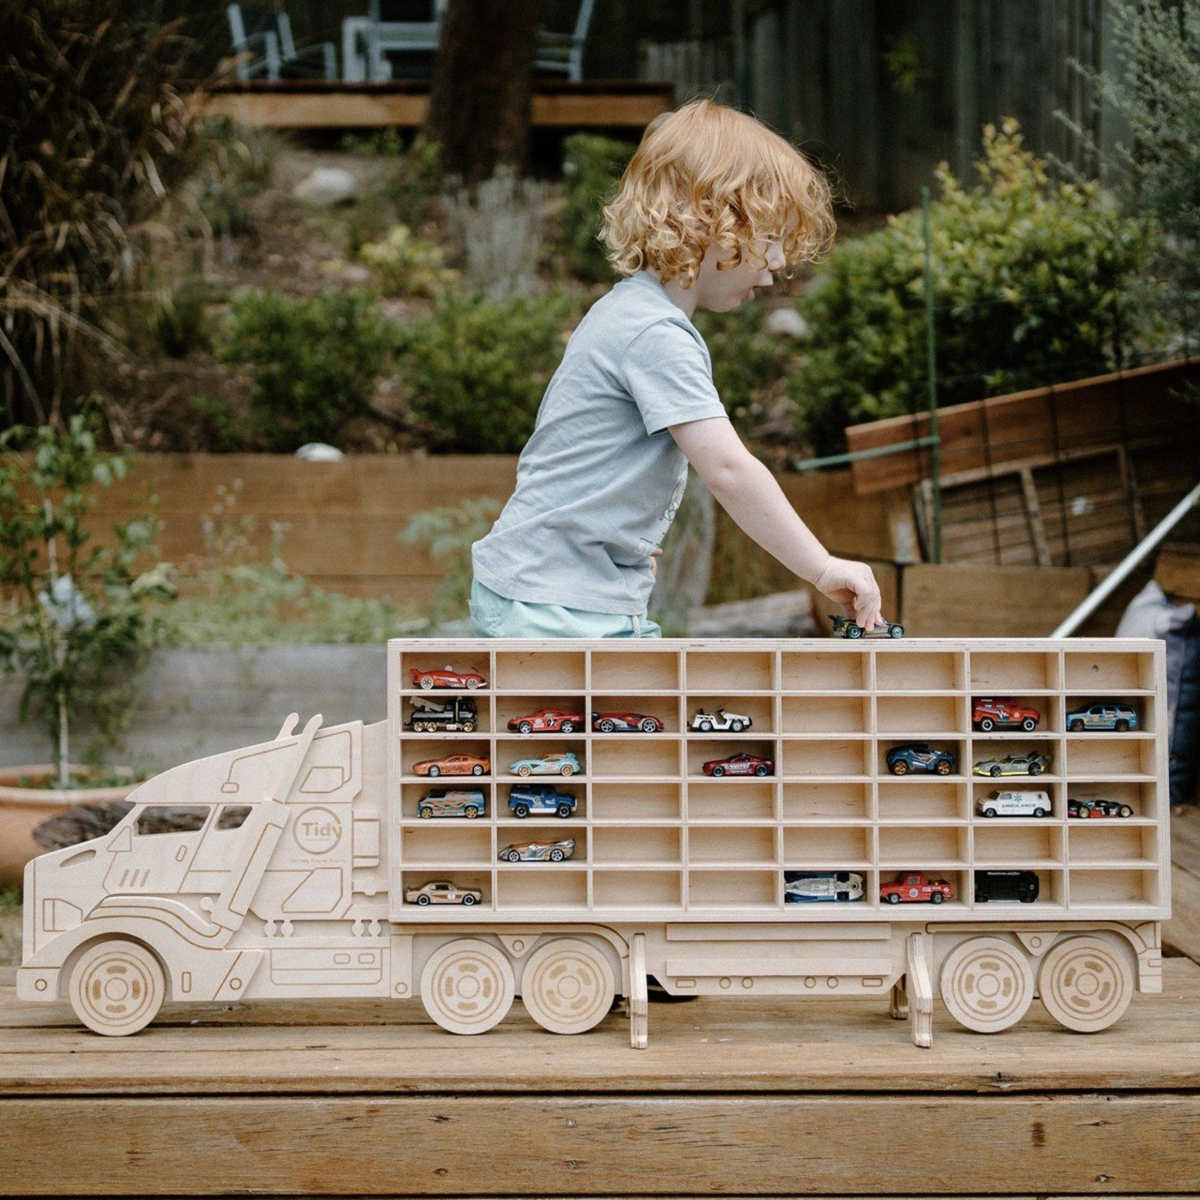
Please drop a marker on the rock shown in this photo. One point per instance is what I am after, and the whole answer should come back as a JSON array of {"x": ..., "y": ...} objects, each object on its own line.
[
  {"x": 327, "y": 186},
  {"x": 786, "y": 322},
  {"x": 319, "y": 452}
]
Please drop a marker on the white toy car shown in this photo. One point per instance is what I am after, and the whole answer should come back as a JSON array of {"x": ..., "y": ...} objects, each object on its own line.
[
  {"x": 1030, "y": 803},
  {"x": 721, "y": 721}
]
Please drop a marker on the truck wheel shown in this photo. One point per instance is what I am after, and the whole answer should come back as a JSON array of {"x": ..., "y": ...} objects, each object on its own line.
[
  {"x": 989, "y": 812},
  {"x": 987, "y": 724},
  {"x": 467, "y": 986},
  {"x": 893, "y": 898},
  {"x": 1122, "y": 726},
  {"x": 735, "y": 727},
  {"x": 1075, "y": 727},
  {"x": 472, "y": 812},
  {"x": 986, "y": 984},
  {"x": 1039, "y": 812},
  {"x": 117, "y": 987},
  {"x": 1086, "y": 983},
  {"x": 520, "y": 810},
  {"x": 937, "y": 897},
  {"x": 468, "y": 726},
  {"x": 564, "y": 810},
  {"x": 943, "y": 767},
  {"x": 568, "y": 985},
  {"x": 1029, "y": 724}
]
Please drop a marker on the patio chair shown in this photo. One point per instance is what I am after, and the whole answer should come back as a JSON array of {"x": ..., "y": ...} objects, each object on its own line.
[
  {"x": 266, "y": 48},
  {"x": 564, "y": 51}
]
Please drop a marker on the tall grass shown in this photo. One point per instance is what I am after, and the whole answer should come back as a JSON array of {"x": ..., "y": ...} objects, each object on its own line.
[{"x": 94, "y": 132}]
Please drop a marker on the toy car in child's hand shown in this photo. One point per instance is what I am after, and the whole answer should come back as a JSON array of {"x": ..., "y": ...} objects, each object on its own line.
[
  {"x": 548, "y": 764},
  {"x": 625, "y": 722},
  {"x": 548, "y": 720},
  {"x": 538, "y": 851},
  {"x": 1012, "y": 764},
  {"x": 739, "y": 764},
  {"x": 844, "y": 627},
  {"x": 1094, "y": 809},
  {"x": 920, "y": 756},
  {"x": 453, "y": 764},
  {"x": 447, "y": 677}
]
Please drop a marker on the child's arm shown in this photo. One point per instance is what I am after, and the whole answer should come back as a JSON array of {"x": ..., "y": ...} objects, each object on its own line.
[{"x": 750, "y": 494}]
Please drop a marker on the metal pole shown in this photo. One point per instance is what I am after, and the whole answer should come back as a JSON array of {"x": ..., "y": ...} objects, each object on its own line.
[
  {"x": 931, "y": 367},
  {"x": 1126, "y": 565}
]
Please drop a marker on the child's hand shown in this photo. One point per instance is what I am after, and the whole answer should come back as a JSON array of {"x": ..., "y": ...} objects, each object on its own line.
[
  {"x": 655, "y": 555},
  {"x": 853, "y": 586}
]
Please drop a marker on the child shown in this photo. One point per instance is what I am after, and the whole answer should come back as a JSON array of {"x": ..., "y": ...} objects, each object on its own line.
[{"x": 710, "y": 206}]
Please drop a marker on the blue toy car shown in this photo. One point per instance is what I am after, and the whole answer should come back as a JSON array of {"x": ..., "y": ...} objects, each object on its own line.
[
  {"x": 1103, "y": 714},
  {"x": 920, "y": 756},
  {"x": 540, "y": 798}
]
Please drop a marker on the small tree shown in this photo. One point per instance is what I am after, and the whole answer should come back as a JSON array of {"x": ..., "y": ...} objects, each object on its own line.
[{"x": 76, "y": 615}]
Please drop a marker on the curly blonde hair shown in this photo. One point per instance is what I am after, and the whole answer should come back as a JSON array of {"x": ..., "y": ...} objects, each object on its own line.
[{"x": 706, "y": 174}]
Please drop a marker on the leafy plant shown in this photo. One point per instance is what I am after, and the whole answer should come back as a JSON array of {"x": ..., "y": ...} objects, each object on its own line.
[
  {"x": 405, "y": 265},
  {"x": 235, "y": 595},
  {"x": 1031, "y": 281},
  {"x": 592, "y": 167},
  {"x": 313, "y": 362},
  {"x": 474, "y": 370},
  {"x": 79, "y": 615},
  {"x": 178, "y": 320},
  {"x": 448, "y": 533},
  {"x": 93, "y": 135},
  {"x": 234, "y": 162}
]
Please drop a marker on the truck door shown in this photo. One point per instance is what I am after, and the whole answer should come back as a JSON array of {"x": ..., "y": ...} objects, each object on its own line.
[{"x": 152, "y": 853}]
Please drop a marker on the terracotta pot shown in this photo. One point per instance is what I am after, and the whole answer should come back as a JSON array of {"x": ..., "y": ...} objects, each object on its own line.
[{"x": 22, "y": 809}]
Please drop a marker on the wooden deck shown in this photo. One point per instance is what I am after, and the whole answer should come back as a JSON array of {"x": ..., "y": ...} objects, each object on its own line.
[
  {"x": 732, "y": 1098},
  {"x": 557, "y": 104}
]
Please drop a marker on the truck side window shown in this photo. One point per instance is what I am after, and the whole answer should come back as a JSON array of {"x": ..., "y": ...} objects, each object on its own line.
[
  {"x": 232, "y": 816},
  {"x": 323, "y": 779},
  {"x": 170, "y": 818}
]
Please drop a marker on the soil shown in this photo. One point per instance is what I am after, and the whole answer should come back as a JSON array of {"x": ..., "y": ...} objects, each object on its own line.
[{"x": 10, "y": 936}]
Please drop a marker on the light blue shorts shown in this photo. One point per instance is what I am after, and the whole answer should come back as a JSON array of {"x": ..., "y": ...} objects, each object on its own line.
[{"x": 496, "y": 616}]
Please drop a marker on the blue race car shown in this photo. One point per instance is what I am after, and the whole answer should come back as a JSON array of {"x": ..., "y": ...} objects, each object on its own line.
[{"x": 539, "y": 798}]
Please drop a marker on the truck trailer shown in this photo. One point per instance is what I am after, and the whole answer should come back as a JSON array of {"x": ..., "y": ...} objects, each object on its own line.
[{"x": 300, "y": 866}]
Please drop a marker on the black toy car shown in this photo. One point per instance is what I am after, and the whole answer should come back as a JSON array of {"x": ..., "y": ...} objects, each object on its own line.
[
  {"x": 844, "y": 627},
  {"x": 1006, "y": 885}
]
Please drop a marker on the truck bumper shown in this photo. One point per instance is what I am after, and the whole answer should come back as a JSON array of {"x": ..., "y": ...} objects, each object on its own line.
[{"x": 38, "y": 983}]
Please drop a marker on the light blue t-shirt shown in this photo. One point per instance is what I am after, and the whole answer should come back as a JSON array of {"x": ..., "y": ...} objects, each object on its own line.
[{"x": 601, "y": 477}]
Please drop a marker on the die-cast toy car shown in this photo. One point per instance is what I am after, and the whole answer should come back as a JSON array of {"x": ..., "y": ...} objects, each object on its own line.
[
  {"x": 809, "y": 887},
  {"x": 1095, "y": 809},
  {"x": 548, "y": 764},
  {"x": 447, "y": 677},
  {"x": 626, "y": 722},
  {"x": 540, "y": 798},
  {"x": 452, "y": 802},
  {"x": 722, "y": 721},
  {"x": 739, "y": 764},
  {"x": 1015, "y": 804},
  {"x": 844, "y": 627},
  {"x": 914, "y": 888},
  {"x": 453, "y": 764},
  {"x": 538, "y": 851},
  {"x": 548, "y": 720},
  {"x": 1012, "y": 764},
  {"x": 920, "y": 756},
  {"x": 442, "y": 891},
  {"x": 1104, "y": 715},
  {"x": 988, "y": 714}
]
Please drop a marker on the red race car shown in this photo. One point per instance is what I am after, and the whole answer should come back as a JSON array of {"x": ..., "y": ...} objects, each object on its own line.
[
  {"x": 739, "y": 764},
  {"x": 549, "y": 720},
  {"x": 914, "y": 888},
  {"x": 625, "y": 722},
  {"x": 447, "y": 677}
]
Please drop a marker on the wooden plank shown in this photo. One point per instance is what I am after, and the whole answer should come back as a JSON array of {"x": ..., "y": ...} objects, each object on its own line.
[
  {"x": 981, "y": 600},
  {"x": 764, "y": 1046},
  {"x": 1177, "y": 570},
  {"x": 1068, "y": 417},
  {"x": 695, "y": 1145},
  {"x": 362, "y": 108}
]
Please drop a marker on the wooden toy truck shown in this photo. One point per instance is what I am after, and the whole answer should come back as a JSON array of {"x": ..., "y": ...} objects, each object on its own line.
[{"x": 293, "y": 880}]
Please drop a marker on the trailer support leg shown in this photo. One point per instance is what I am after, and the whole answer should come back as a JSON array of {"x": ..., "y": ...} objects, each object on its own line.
[
  {"x": 898, "y": 1004},
  {"x": 639, "y": 1004},
  {"x": 920, "y": 989}
]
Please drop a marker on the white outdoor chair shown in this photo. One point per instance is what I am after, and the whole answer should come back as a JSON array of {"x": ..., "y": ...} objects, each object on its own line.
[
  {"x": 265, "y": 47},
  {"x": 564, "y": 51}
]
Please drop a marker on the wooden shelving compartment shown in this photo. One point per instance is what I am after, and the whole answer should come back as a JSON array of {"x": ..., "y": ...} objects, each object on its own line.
[{"x": 654, "y": 833}]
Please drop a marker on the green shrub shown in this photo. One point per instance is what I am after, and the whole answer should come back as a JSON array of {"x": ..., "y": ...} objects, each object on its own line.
[
  {"x": 1029, "y": 283},
  {"x": 748, "y": 362},
  {"x": 475, "y": 369},
  {"x": 405, "y": 265},
  {"x": 313, "y": 362},
  {"x": 235, "y": 164},
  {"x": 592, "y": 167},
  {"x": 178, "y": 320}
]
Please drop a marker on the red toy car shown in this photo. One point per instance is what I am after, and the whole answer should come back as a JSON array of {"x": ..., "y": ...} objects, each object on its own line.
[
  {"x": 913, "y": 888},
  {"x": 988, "y": 714},
  {"x": 625, "y": 722},
  {"x": 549, "y": 720},
  {"x": 739, "y": 764},
  {"x": 447, "y": 677}
]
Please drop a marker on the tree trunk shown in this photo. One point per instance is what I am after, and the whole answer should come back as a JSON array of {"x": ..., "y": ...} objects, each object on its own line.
[{"x": 483, "y": 86}]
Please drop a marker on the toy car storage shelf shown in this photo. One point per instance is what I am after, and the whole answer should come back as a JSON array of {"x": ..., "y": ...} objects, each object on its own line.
[{"x": 655, "y": 834}]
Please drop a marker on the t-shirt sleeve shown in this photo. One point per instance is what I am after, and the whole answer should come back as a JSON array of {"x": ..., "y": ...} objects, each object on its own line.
[{"x": 669, "y": 377}]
